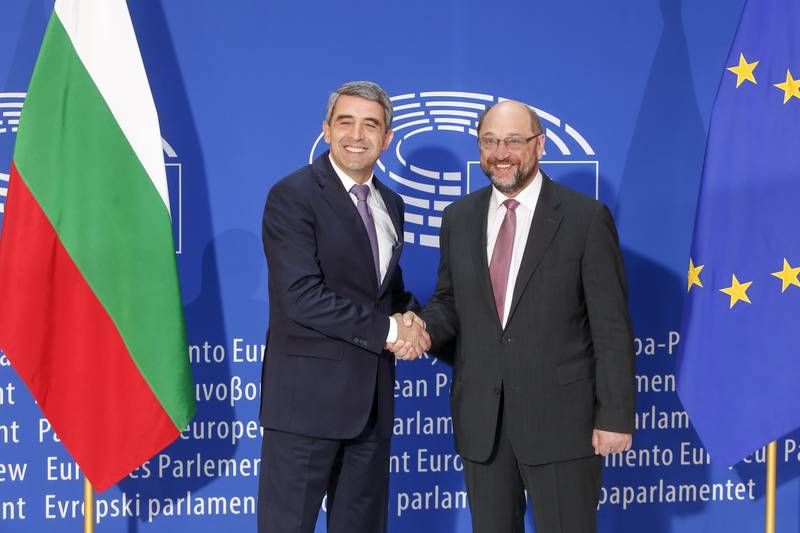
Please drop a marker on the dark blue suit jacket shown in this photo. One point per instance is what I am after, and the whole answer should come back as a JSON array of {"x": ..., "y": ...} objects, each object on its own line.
[{"x": 328, "y": 321}]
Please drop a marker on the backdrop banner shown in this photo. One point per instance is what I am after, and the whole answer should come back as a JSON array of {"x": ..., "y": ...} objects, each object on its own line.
[{"x": 625, "y": 92}]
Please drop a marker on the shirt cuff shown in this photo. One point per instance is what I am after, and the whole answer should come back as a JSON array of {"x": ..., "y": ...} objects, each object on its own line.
[{"x": 392, "y": 335}]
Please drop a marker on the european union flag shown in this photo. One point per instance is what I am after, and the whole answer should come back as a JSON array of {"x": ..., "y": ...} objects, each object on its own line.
[{"x": 739, "y": 370}]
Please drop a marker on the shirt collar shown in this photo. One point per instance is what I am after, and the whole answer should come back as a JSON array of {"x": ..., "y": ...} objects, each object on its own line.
[
  {"x": 527, "y": 196},
  {"x": 347, "y": 181}
]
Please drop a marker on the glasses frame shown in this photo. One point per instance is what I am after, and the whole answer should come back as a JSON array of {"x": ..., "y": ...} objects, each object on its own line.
[{"x": 505, "y": 142}]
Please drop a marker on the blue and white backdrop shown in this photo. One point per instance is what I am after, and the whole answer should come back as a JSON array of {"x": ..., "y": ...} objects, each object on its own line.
[{"x": 625, "y": 91}]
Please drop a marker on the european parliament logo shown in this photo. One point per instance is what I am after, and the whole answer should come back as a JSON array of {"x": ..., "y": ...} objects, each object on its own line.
[
  {"x": 10, "y": 111},
  {"x": 174, "y": 169},
  {"x": 433, "y": 158}
]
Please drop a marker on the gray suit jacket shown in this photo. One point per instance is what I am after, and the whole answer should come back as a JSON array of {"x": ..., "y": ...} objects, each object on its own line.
[{"x": 564, "y": 361}]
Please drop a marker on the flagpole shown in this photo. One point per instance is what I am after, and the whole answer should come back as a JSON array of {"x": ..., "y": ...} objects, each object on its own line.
[
  {"x": 88, "y": 506},
  {"x": 772, "y": 455}
]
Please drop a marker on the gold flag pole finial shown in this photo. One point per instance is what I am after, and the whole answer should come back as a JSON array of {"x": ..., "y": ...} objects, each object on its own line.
[
  {"x": 88, "y": 506},
  {"x": 772, "y": 456}
]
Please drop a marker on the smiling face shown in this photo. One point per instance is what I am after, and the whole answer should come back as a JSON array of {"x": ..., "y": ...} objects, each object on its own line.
[
  {"x": 510, "y": 171},
  {"x": 357, "y": 133}
]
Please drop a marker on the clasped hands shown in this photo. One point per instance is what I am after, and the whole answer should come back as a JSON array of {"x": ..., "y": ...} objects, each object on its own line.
[{"x": 412, "y": 339}]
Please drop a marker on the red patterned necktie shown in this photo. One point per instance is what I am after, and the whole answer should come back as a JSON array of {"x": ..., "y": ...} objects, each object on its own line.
[{"x": 501, "y": 256}]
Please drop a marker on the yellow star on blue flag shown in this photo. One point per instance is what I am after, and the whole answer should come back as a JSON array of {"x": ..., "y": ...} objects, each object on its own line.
[
  {"x": 744, "y": 71},
  {"x": 788, "y": 275},
  {"x": 790, "y": 87}
]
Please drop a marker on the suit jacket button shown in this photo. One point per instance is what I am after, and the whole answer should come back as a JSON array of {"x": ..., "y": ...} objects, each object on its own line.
[
  {"x": 506, "y": 340},
  {"x": 497, "y": 391}
]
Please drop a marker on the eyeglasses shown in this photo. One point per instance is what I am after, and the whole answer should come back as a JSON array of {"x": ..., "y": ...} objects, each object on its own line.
[{"x": 512, "y": 143}]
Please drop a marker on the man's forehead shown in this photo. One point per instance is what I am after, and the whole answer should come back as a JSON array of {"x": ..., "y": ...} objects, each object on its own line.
[
  {"x": 356, "y": 105},
  {"x": 507, "y": 117}
]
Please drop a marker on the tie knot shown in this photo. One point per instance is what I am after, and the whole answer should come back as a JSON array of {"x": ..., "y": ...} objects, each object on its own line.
[
  {"x": 361, "y": 191},
  {"x": 511, "y": 204}
]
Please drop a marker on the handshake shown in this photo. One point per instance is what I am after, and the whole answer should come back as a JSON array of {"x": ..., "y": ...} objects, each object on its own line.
[{"x": 412, "y": 339}]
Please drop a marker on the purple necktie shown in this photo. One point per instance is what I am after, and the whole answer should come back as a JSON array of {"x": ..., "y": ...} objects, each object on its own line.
[
  {"x": 362, "y": 192},
  {"x": 501, "y": 256}
]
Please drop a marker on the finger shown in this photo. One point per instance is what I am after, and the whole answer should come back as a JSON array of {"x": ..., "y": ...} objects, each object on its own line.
[
  {"x": 425, "y": 342},
  {"x": 411, "y": 350},
  {"x": 403, "y": 353}
]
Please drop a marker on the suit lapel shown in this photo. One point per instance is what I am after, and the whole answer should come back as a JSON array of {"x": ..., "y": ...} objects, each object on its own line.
[
  {"x": 477, "y": 233},
  {"x": 341, "y": 203},
  {"x": 546, "y": 220}
]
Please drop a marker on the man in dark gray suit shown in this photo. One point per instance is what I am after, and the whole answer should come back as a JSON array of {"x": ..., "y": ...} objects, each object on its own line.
[{"x": 532, "y": 289}]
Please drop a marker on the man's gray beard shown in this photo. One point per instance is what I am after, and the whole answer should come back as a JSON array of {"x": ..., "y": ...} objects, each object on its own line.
[{"x": 517, "y": 184}]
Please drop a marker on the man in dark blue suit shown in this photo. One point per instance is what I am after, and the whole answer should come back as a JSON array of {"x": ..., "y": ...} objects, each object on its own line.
[{"x": 332, "y": 236}]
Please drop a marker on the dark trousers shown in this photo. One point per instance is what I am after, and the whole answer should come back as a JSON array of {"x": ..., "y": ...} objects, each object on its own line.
[
  {"x": 297, "y": 471},
  {"x": 564, "y": 494}
]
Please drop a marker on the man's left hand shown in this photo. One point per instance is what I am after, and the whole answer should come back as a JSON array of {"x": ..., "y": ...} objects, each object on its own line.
[{"x": 606, "y": 442}]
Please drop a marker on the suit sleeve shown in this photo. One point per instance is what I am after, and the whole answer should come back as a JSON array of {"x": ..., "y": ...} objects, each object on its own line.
[
  {"x": 440, "y": 313},
  {"x": 604, "y": 285},
  {"x": 295, "y": 276},
  {"x": 402, "y": 300}
]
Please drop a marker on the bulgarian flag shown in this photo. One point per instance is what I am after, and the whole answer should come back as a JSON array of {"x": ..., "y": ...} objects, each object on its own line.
[{"x": 92, "y": 318}]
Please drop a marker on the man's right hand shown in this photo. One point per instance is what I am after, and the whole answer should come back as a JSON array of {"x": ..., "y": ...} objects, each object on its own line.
[{"x": 412, "y": 339}]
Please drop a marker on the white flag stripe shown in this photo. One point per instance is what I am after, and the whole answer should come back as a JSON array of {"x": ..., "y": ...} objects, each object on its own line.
[{"x": 102, "y": 35}]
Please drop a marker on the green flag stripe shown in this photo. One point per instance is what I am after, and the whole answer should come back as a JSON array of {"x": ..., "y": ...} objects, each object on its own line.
[{"x": 81, "y": 169}]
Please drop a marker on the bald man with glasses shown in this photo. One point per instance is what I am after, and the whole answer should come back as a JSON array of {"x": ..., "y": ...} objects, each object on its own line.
[{"x": 532, "y": 289}]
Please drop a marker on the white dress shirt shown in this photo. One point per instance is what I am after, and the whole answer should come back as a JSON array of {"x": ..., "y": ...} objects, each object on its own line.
[
  {"x": 384, "y": 229},
  {"x": 527, "y": 199}
]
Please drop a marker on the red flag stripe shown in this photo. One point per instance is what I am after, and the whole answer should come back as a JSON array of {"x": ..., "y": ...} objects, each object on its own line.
[{"x": 80, "y": 388}]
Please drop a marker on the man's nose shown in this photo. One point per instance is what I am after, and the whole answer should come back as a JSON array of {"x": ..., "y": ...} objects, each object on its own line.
[
  {"x": 501, "y": 151},
  {"x": 358, "y": 131}
]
